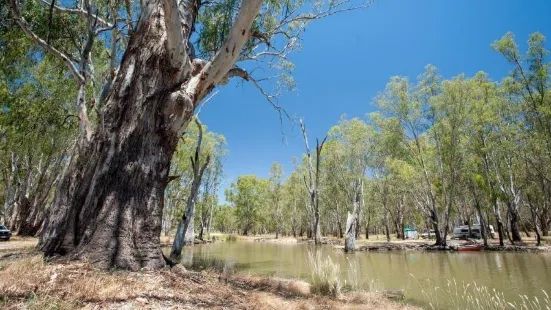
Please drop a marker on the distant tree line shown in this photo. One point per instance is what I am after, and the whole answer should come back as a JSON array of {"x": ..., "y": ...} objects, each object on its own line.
[{"x": 438, "y": 153}]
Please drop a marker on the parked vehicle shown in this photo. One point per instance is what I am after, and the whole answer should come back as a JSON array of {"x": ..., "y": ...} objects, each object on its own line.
[
  {"x": 428, "y": 234},
  {"x": 462, "y": 232},
  {"x": 5, "y": 233}
]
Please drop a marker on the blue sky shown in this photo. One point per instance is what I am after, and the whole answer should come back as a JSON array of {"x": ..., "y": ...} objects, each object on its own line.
[{"x": 347, "y": 59}]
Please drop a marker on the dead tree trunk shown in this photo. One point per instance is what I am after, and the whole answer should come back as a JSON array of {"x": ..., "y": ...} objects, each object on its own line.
[
  {"x": 350, "y": 240},
  {"x": 185, "y": 234},
  {"x": 108, "y": 206},
  {"x": 313, "y": 185},
  {"x": 352, "y": 219}
]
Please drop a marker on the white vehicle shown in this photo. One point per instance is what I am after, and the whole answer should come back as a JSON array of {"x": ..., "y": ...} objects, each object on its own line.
[{"x": 462, "y": 232}]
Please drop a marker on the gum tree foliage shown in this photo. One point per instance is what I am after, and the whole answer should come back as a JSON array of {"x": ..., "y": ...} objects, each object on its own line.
[
  {"x": 440, "y": 153},
  {"x": 249, "y": 197},
  {"x": 36, "y": 127}
]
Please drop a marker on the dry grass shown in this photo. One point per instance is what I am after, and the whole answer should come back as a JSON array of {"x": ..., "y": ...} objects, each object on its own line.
[
  {"x": 285, "y": 287},
  {"x": 18, "y": 243},
  {"x": 30, "y": 283},
  {"x": 31, "y": 276},
  {"x": 325, "y": 275}
]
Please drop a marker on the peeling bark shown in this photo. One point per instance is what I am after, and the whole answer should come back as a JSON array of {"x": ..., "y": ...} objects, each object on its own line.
[{"x": 108, "y": 206}]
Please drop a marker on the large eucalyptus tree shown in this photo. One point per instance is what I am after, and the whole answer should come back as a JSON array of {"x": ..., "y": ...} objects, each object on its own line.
[{"x": 109, "y": 204}]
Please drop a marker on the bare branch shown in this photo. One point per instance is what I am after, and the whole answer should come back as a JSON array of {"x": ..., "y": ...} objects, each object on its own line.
[
  {"x": 308, "y": 154},
  {"x": 78, "y": 11},
  {"x": 271, "y": 98},
  {"x": 84, "y": 60},
  {"x": 334, "y": 8},
  {"x": 49, "y": 48}
]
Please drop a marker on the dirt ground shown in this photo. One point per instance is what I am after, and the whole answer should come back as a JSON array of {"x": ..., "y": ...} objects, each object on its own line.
[
  {"x": 17, "y": 243},
  {"x": 27, "y": 282}
]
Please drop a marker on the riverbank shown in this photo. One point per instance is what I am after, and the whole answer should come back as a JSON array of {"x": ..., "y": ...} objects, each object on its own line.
[
  {"x": 376, "y": 244},
  {"x": 29, "y": 283}
]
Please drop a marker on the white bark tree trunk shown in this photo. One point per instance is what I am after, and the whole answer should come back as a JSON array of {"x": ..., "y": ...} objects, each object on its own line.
[{"x": 350, "y": 239}]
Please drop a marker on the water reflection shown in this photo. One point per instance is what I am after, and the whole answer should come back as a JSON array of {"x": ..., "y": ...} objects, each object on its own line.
[{"x": 510, "y": 273}]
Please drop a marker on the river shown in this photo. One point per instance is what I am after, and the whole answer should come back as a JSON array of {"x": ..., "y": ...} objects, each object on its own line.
[{"x": 423, "y": 275}]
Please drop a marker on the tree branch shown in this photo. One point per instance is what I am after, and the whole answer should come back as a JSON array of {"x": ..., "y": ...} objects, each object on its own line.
[
  {"x": 271, "y": 98},
  {"x": 49, "y": 48},
  {"x": 225, "y": 58},
  {"x": 175, "y": 39},
  {"x": 79, "y": 11},
  {"x": 198, "y": 148},
  {"x": 308, "y": 154}
]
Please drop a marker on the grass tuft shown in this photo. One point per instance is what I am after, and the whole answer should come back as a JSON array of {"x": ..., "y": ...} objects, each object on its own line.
[{"x": 325, "y": 275}]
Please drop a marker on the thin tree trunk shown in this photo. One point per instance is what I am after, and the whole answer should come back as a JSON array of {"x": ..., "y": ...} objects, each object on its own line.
[
  {"x": 514, "y": 222},
  {"x": 499, "y": 222},
  {"x": 437, "y": 235},
  {"x": 534, "y": 212},
  {"x": 201, "y": 231},
  {"x": 525, "y": 230},
  {"x": 480, "y": 216},
  {"x": 387, "y": 231},
  {"x": 185, "y": 235},
  {"x": 545, "y": 224}
]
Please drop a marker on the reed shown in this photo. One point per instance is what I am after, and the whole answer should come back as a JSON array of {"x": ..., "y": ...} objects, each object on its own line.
[
  {"x": 325, "y": 275},
  {"x": 473, "y": 296}
]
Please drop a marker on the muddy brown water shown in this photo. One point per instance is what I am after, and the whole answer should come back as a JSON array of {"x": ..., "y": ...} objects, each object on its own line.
[{"x": 426, "y": 277}]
